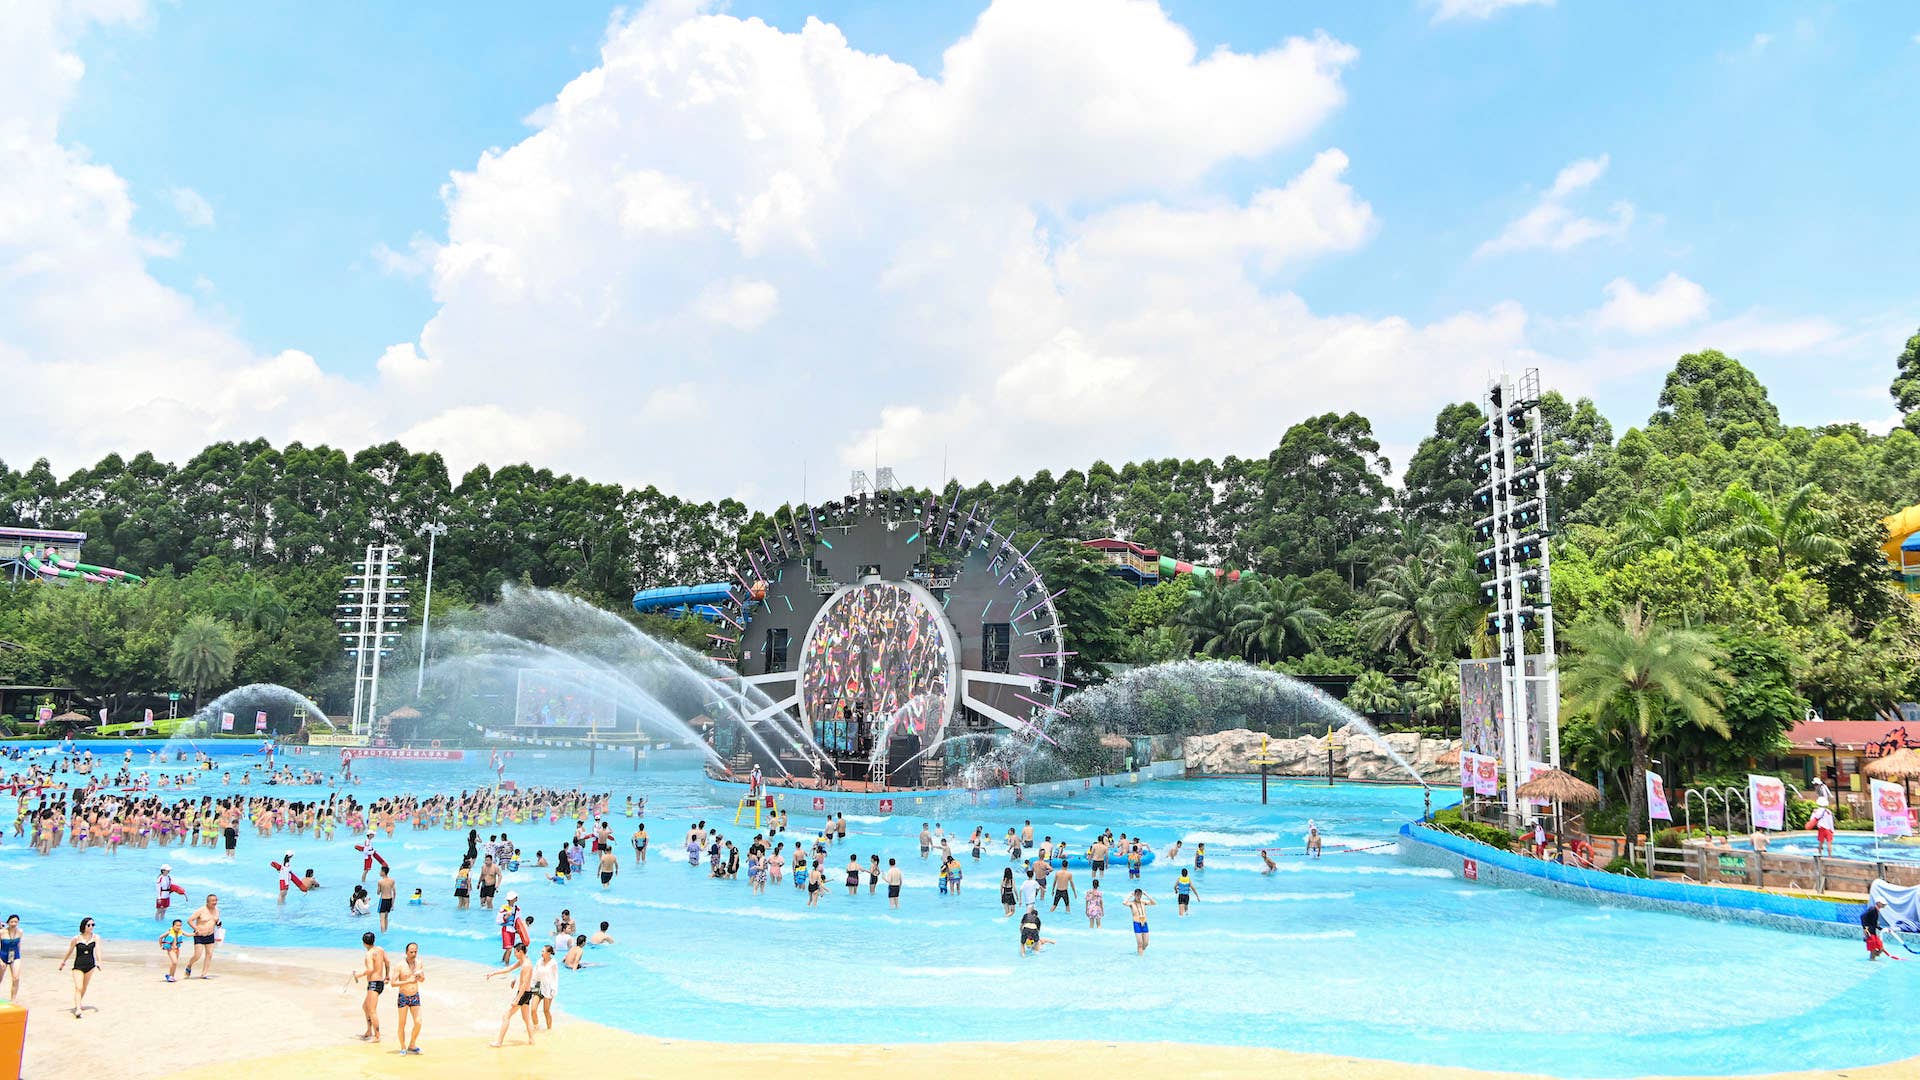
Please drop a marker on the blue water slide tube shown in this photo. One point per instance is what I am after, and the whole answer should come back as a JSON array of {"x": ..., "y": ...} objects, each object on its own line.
[{"x": 701, "y": 600}]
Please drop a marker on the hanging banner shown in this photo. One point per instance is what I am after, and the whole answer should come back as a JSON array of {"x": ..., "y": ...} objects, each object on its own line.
[
  {"x": 259, "y": 722},
  {"x": 1467, "y": 766},
  {"x": 43, "y": 714},
  {"x": 1890, "y": 810},
  {"x": 1486, "y": 775},
  {"x": 1534, "y": 769},
  {"x": 148, "y": 721},
  {"x": 103, "y": 715},
  {"x": 1767, "y": 799},
  {"x": 226, "y": 721},
  {"x": 1657, "y": 808}
]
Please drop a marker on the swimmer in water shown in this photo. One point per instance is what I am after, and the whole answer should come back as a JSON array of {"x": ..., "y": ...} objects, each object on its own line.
[{"x": 1267, "y": 859}]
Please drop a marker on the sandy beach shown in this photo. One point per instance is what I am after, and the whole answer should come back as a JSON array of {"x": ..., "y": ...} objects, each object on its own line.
[{"x": 294, "y": 1012}]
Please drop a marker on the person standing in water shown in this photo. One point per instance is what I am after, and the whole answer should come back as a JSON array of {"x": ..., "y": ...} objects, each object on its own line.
[
  {"x": 386, "y": 889},
  {"x": 82, "y": 951},
  {"x": 1096, "y": 905},
  {"x": 1138, "y": 904},
  {"x": 375, "y": 974},
  {"x": 1183, "y": 891},
  {"x": 893, "y": 884}
]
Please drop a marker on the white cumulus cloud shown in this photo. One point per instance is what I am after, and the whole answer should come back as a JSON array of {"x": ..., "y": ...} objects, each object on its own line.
[
  {"x": 1552, "y": 225},
  {"x": 194, "y": 209},
  {"x": 1445, "y": 10},
  {"x": 1673, "y": 301}
]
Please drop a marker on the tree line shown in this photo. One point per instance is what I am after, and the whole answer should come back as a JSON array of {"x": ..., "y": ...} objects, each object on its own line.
[{"x": 1711, "y": 516}]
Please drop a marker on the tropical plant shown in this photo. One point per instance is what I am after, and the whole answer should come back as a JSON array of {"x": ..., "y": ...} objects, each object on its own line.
[
  {"x": 1276, "y": 617},
  {"x": 201, "y": 654},
  {"x": 1637, "y": 675},
  {"x": 1208, "y": 618},
  {"x": 1796, "y": 527},
  {"x": 1374, "y": 692},
  {"x": 1669, "y": 524},
  {"x": 1436, "y": 692}
]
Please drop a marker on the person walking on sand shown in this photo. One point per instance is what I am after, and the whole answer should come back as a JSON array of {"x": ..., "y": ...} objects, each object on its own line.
[
  {"x": 546, "y": 984},
  {"x": 407, "y": 977},
  {"x": 375, "y": 973},
  {"x": 520, "y": 976},
  {"x": 1138, "y": 904},
  {"x": 82, "y": 951},
  {"x": 170, "y": 943},
  {"x": 10, "y": 956},
  {"x": 205, "y": 922}
]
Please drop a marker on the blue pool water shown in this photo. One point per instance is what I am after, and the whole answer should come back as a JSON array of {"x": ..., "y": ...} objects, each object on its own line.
[
  {"x": 1845, "y": 846},
  {"x": 1355, "y": 954}
]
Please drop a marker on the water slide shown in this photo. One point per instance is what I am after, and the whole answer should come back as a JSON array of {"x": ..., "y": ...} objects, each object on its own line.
[
  {"x": 701, "y": 600},
  {"x": 47, "y": 563}
]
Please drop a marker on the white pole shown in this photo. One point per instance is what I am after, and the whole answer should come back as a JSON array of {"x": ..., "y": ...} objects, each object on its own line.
[
  {"x": 379, "y": 637},
  {"x": 426, "y": 612}
]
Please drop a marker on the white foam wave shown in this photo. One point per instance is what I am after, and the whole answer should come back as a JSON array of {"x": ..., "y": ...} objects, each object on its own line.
[
  {"x": 1231, "y": 839},
  {"x": 1273, "y": 898},
  {"x": 948, "y": 972}
]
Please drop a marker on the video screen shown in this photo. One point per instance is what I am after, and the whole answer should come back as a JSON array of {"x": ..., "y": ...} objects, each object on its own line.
[
  {"x": 876, "y": 655},
  {"x": 561, "y": 698}
]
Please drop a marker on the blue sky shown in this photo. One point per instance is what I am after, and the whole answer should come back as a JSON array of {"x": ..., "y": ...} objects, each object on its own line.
[{"x": 1738, "y": 176}]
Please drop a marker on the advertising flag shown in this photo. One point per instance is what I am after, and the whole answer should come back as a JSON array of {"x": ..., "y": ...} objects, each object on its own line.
[
  {"x": 226, "y": 721},
  {"x": 1467, "y": 758},
  {"x": 43, "y": 714},
  {"x": 1534, "y": 769},
  {"x": 1657, "y": 808},
  {"x": 1767, "y": 798},
  {"x": 103, "y": 715},
  {"x": 259, "y": 722},
  {"x": 1890, "y": 810},
  {"x": 148, "y": 722},
  {"x": 1486, "y": 775}
]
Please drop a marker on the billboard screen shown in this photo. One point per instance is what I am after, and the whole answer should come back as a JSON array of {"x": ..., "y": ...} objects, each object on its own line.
[{"x": 563, "y": 698}]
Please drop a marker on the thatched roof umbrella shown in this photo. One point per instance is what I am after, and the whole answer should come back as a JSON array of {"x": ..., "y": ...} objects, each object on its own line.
[
  {"x": 1116, "y": 742},
  {"x": 1561, "y": 787},
  {"x": 404, "y": 712},
  {"x": 1902, "y": 765},
  {"x": 1449, "y": 756}
]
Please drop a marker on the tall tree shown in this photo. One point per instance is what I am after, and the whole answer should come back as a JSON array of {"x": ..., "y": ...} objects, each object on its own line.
[
  {"x": 1439, "y": 480},
  {"x": 1275, "y": 617},
  {"x": 201, "y": 655},
  {"x": 1710, "y": 396},
  {"x": 1795, "y": 527},
  {"x": 1634, "y": 676},
  {"x": 1906, "y": 383}
]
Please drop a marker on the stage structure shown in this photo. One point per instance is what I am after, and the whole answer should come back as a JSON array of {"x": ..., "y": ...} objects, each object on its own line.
[
  {"x": 1512, "y": 711},
  {"x": 904, "y": 635}
]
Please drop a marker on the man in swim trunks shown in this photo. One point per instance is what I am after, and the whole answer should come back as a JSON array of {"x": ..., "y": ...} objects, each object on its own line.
[
  {"x": 1138, "y": 904},
  {"x": 385, "y": 888},
  {"x": 489, "y": 882},
  {"x": 893, "y": 884},
  {"x": 609, "y": 866},
  {"x": 206, "y": 925},
  {"x": 375, "y": 973},
  {"x": 1064, "y": 889},
  {"x": 1097, "y": 857},
  {"x": 407, "y": 977},
  {"x": 926, "y": 840}
]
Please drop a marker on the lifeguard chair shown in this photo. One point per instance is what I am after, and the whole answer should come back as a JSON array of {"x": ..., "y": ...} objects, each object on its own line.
[{"x": 756, "y": 803}]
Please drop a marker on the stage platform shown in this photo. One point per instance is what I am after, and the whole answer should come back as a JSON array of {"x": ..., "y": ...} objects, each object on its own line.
[{"x": 928, "y": 802}]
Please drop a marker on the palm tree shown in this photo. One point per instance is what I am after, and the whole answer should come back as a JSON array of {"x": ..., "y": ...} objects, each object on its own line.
[
  {"x": 1208, "y": 618},
  {"x": 1634, "y": 675},
  {"x": 201, "y": 654},
  {"x": 1374, "y": 692},
  {"x": 1796, "y": 527},
  {"x": 1436, "y": 692},
  {"x": 258, "y": 606},
  {"x": 1393, "y": 618},
  {"x": 1670, "y": 525},
  {"x": 1277, "y": 617}
]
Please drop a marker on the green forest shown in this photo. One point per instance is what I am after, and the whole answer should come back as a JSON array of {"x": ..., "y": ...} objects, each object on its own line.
[{"x": 1756, "y": 540}]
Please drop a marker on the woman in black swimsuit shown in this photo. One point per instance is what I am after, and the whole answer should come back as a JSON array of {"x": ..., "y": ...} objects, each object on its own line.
[
  {"x": 1006, "y": 889},
  {"x": 81, "y": 951}
]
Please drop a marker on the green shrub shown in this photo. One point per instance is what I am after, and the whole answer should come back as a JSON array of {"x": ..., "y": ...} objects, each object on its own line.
[
  {"x": 1490, "y": 835},
  {"x": 1622, "y": 865}
]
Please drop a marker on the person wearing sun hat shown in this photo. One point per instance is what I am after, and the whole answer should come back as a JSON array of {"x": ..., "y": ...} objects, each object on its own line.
[{"x": 165, "y": 888}]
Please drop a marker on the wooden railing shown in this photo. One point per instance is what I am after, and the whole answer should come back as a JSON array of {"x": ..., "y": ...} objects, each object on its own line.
[{"x": 1719, "y": 864}]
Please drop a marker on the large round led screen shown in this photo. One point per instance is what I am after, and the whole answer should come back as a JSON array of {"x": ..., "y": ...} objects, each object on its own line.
[{"x": 878, "y": 653}]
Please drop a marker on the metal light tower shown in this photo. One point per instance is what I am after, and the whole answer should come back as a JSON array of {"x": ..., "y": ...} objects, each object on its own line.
[
  {"x": 434, "y": 531},
  {"x": 373, "y": 612},
  {"x": 1511, "y": 471}
]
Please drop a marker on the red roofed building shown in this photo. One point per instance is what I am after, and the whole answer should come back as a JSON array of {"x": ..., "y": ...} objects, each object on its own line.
[
  {"x": 1836, "y": 750},
  {"x": 1136, "y": 564}
]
